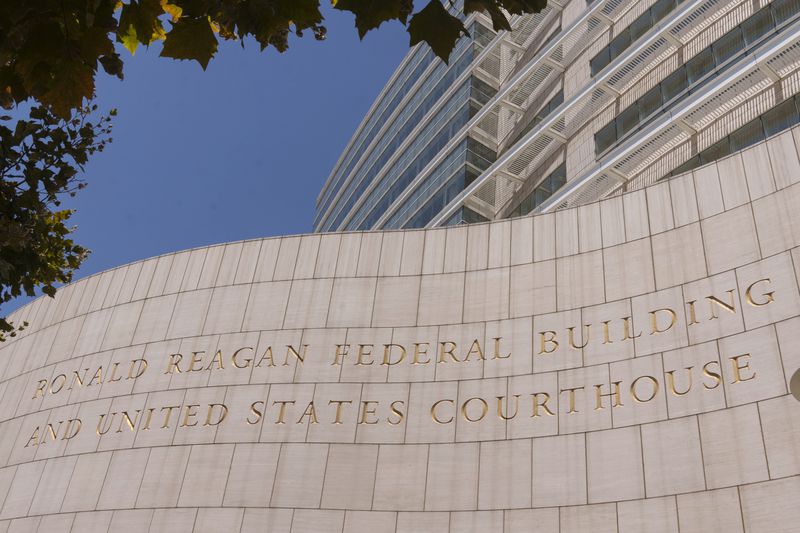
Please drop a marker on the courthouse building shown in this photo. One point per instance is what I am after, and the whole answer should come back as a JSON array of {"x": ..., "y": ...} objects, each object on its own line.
[{"x": 552, "y": 287}]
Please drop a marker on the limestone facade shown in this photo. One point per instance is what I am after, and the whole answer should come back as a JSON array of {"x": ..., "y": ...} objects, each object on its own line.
[{"x": 623, "y": 366}]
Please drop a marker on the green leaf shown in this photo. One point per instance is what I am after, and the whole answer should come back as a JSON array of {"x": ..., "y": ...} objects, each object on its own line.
[
  {"x": 191, "y": 39},
  {"x": 371, "y": 14},
  {"x": 138, "y": 23},
  {"x": 112, "y": 64},
  {"x": 434, "y": 25}
]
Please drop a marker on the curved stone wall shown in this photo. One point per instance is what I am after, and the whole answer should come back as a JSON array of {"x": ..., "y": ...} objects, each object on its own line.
[{"x": 622, "y": 366}]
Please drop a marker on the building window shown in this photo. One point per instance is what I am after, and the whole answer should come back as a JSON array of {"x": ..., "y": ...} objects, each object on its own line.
[
  {"x": 628, "y": 35},
  {"x": 697, "y": 71},
  {"x": 544, "y": 190},
  {"x": 778, "y": 119}
]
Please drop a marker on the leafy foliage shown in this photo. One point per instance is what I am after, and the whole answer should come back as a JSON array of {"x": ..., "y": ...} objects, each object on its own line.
[
  {"x": 40, "y": 157},
  {"x": 51, "y": 50}
]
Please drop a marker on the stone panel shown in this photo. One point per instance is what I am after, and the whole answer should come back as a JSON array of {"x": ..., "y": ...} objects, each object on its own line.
[{"x": 622, "y": 366}]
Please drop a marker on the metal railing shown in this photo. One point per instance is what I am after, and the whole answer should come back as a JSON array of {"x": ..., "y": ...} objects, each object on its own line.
[{"x": 504, "y": 177}]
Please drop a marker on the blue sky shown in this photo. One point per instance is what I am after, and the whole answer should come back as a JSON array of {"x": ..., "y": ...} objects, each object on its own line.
[{"x": 236, "y": 152}]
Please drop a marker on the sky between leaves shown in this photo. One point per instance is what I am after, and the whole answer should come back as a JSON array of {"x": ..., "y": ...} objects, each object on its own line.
[{"x": 236, "y": 152}]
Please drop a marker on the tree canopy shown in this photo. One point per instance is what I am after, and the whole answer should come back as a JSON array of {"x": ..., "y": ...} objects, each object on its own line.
[{"x": 52, "y": 50}]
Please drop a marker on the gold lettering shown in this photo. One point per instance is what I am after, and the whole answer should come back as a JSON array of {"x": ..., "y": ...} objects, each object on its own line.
[
  {"x": 218, "y": 360},
  {"x": 616, "y": 395},
  {"x": 503, "y": 413},
  {"x": 475, "y": 348},
  {"x": 169, "y": 410},
  {"x": 692, "y": 313},
  {"x": 339, "y": 404},
  {"x": 40, "y": 388},
  {"x": 654, "y": 329},
  {"x": 496, "y": 354},
  {"x": 223, "y": 413},
  {"x": 387, "y": 354},
  {"x": 395, "y": 410},
  {"x": 196, "y": 362},
  {"x": 606, "y": 332},
  {"x": 311, "y": 413},
  {"x": 174, "y": 363},
  {"x": 149, "y": 419},
  {"x": 711, "y": 374},
  {"x": 341, "y": 351},
  {"x": 266, "y": 356},
  {"x": 34, "y": 438},
  {"x": 189, "y": 412},
  {"x": 571, "y": 396},
  {"x": 417, "y": 352},
  {"x": 434, "y": 413},
  {"x": 53, "y": 389},
  {"x": 367, "y": 409},
  {"x": 626, "y": 329},
  {"x": 543, "y": 340},
  {"x": 114, "y": 368},
  {"x": 235, "y": 359},
  {"x": 101, "y": 428},
  {"x": 126, "y": 418},
  {"x": 484, "y": 409},
  {"x": 142, "y": 366},
  {"x": 291, "y": 351},
  {"x": 584, "y": 336},
  {"x": 770, "y": 296},
  {"x": 636, "y": 397},
  {"x": 714, "y": 301},
  {"x": 255, "y": 410},
  {"x": 450, "y": 348},
  {"x": 364, "y": 350},
  {"x": 97, "y": 377},
  {"x": 671, "y": 382},
  {"x": 737, "y": 369},
  {"x": 282, "y": 410},
  {"x": 543, "y": 404},
  {"x": 73, "y": 427}
]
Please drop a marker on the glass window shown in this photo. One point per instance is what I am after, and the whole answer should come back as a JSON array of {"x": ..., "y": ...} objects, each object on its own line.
[
  {"x": 673, "y": 84},
  {"x": 559, "y": 177},
  {"x": 650, "y": 102},
  {"x": 627, "y": 120},
  {"x": 642, "y": 23},
  {"x": 779, "y": 118},
  {"x": 661, "y": 8},
  {"x": 785, "y": 9},
  {"x": 716, "y": 151},
  {"x": 728, "y": 45},
  {"x": 620, "y": 43},
  {"x": 691, "y": 164},
  {"x": 700, "y": 65},
  {"x": 600, "y": 61},
  {"x": 606, "y": 137},
  {"x": 747, "y": 135},
  {"x": 757, "y": 25}
]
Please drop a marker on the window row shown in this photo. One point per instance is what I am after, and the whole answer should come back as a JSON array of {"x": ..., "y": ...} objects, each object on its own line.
[
  {"x": 548, "y": 108},
  {"x": 393, "y": 185},
  {"x": 628, "y": 35},
  {"x": 698, "y": 70},
  {"x": 549, "y": 185},
  {"x": 456, "y": 183},
  {"x": 443, "y": 76},
  {"x": 779, "y": 118}
]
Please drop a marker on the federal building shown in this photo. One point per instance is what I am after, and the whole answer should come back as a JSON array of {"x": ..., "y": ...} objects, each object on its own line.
[{"x": 552, "y": 287}]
